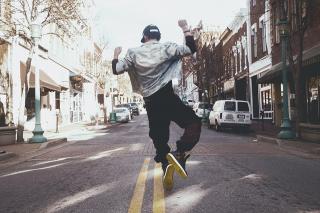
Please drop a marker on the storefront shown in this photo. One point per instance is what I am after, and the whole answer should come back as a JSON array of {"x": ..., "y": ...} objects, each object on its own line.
[
  {"x": 76, "y": 106},
  {"x": 266, "y": 100},
  {"x": 48, "y": 89},
  {"x": 312, "y": 95},
  {"x": 241, "y": 88},
  {"x": 271, "y": 98},
  {"x": 76, "y": 98}
]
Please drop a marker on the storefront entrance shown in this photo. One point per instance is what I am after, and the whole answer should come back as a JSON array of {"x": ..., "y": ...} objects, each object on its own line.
[
  {"x": 313, "y": 101},
  {"x": 75, "y": 107}
]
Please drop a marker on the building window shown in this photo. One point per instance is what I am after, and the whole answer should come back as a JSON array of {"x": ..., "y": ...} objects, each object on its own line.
[
  {"x": 262, "y": 25},
  {"x": 313, "y": 100},
  {"x": 235, "y": 55},
  {"x": 254, "y": 41},
  {"x": 275, "y": 26},
  {"x": 294, "y": 16},
  {"x": 266, "y": 100}
]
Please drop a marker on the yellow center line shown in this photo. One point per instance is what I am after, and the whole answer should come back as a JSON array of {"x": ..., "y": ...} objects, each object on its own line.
[
  {"x": 158, "y": 192},
  {"x": 137, "y": 199}
]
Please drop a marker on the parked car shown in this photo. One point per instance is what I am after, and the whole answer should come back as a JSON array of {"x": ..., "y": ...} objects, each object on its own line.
[
  {"x": 201, "y": 107},
  {"x": 122, "y": 114},
  {"x": 230, "y": 113},
  {"x": 135, "y": 108},
  {"x": 128, "y": 107}
]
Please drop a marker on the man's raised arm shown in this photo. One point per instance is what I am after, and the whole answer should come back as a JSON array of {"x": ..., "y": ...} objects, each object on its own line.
[
  {"x": 188, "y": 35},
  {"x": 120, "y": 66}
]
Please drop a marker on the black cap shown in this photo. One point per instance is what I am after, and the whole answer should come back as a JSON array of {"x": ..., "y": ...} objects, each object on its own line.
[{"x": 152, "y": 32}]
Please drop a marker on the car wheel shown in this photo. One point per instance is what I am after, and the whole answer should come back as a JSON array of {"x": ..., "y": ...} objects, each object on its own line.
[{"x": 217, "y": 127}]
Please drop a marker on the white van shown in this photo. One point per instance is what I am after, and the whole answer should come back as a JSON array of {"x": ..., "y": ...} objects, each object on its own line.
[{"x": 230, "y": 113}]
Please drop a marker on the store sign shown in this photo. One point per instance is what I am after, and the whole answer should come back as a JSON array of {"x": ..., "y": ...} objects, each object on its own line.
[{"x": 228, "y": 85}]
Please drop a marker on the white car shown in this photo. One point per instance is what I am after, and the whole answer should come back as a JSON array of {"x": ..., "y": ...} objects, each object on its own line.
[
  {"x": 230, "y": 113},
  {"x": 201, "y": 108},
  {"x": 122, "y": 114}
]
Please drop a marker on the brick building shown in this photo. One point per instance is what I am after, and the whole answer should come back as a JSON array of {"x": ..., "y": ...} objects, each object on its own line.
[
  {"x": 310, "y": 73},
  {"x": 234, "y": 58},
  {"x": 259, "y": 52}
]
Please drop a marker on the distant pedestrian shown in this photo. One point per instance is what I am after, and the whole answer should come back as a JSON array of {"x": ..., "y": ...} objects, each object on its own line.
[
  {"x": 2, "y": 115},
  {"x": 151, "y": 68}
]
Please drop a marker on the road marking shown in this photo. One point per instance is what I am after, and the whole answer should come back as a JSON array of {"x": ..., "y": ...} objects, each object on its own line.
[
  {"x": 158, "y": 192},
  {"x": 137, "y": 199}
]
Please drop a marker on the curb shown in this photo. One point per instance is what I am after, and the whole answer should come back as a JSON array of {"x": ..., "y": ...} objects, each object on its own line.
[
  {"x": 53, "y": 142},
  {"x": 266, "y": 139},
  {"x": 6, "y": 155},
  {"x": 50, "y": 143},
  {"x": 288, "y": 145}
]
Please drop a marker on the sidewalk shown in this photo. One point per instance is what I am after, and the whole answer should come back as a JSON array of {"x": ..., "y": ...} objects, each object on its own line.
[
  {"x": 267, "y": 132},
  {"x": 20, "y": 152}
]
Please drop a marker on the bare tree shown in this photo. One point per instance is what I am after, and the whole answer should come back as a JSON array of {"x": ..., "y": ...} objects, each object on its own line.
[
  {"x": 205, "y": 59},
  {"x": 300, "y": 15},
  {"x": 63, "y": 16}
]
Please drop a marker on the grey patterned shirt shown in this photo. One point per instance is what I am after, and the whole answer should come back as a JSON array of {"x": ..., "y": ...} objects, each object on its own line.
[{"x": 152, "y": 65}]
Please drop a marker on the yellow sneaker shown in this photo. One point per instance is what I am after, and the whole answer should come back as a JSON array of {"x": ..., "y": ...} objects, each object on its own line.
[
  {"x": 168, "y": 177},
  {"x": 178, "y": 161}
]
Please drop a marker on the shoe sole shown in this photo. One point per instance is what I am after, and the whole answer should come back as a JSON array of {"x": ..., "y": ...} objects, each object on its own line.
[
  {"x": 168, "y": 177},
  {"x": 172, "y": 160}
]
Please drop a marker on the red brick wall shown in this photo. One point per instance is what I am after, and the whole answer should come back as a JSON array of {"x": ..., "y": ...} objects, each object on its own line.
[
  {"x": 228, "y": 55},
  {"x": 255, "y": 13},
  {"x": 312, "y": 34}
]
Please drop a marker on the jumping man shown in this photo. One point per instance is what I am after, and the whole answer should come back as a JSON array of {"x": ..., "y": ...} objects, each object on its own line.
[{"x": 151, "y": 68}]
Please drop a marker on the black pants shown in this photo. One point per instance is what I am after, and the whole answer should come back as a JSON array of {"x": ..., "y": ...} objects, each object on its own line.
[{"x": 163, "y": 107}]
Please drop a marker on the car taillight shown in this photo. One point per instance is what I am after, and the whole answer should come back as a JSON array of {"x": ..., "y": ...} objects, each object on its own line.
[{"x": 221, "y": 115}]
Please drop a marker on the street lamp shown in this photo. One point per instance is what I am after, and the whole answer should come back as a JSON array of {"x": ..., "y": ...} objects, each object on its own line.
[
  {"x": 37, "y": 132},
  {"x": 286, "y": 129},
  {"x": 204, "y": 116},
  {"x": 204, "y": 97}
]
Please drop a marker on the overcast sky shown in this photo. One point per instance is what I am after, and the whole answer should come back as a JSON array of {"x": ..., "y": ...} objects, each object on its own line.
[{"x": 121, "y": 22}]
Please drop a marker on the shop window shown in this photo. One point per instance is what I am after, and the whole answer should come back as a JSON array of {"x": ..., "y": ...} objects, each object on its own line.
[
  {"x": 266, "y": 100},
  {"x": 57, "y": 100},
  {"x": 3, "y": 98},
  {"x": 30, "y": 103},
  {"x": 313, "y": 88}
]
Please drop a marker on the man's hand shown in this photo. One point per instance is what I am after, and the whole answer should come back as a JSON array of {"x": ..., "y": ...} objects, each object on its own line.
[
  {"x": 183, "y": 25},
  {"x": 117, "y": 52}
]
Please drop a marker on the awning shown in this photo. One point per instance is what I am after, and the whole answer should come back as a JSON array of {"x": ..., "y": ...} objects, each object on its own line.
[
  {"x": 241, "y": 75},
  {"x": 270, "y": 75},
  {"x": 76, "y": 76},
  {"x": 228, "y": 85},
  {"x": 310, "y": 56},
  {"x": 45, "y": 79}
]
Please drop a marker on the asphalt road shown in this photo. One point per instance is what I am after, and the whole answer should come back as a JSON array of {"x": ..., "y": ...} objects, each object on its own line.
[{"x": 114, "y": 171}]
